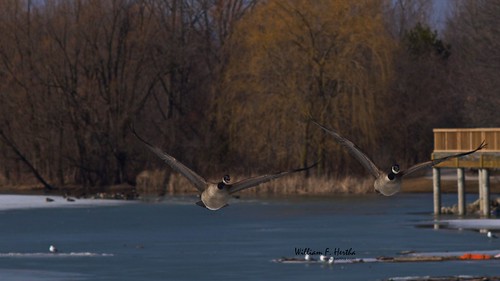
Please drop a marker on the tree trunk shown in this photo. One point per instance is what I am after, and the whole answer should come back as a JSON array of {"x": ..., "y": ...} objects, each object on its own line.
[{"x": 26, "y": 161}]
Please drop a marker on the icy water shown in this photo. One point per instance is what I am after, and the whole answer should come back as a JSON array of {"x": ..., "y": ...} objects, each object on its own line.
[{"x": 177, "y": 240}]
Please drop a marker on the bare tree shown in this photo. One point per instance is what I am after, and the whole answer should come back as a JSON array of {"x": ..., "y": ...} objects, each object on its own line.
[
  {"x": 475, "y": 36},
  {"x": 76, "y": 73},
  {"x": 403, "y": 15}
]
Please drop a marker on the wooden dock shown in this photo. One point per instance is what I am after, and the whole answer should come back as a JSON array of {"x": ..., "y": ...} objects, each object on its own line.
[{"x": 451, "y": 141}]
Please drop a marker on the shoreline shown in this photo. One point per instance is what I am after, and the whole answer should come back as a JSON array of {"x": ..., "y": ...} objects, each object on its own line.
[
  {"x": 449, "y": 185},
  {"x": 308, "y": 188}
]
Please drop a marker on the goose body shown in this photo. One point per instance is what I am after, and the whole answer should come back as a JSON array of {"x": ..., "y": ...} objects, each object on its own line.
[
  {"x": 387, "y": 183},
  {"x": 214, "y": 195},
  {"x": 387, "y": 186},
  {"x": 214, "y": 198}
]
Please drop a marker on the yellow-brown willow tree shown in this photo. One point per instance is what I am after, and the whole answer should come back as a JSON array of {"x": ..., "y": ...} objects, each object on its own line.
[{"x": 296, "y": 60}]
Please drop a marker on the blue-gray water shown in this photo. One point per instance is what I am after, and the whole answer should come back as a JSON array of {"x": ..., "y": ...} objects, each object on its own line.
[{"x": 177, "y": 240}]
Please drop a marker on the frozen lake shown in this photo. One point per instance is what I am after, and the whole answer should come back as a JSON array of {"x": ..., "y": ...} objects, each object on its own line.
[{"x": 177, "y": 240}]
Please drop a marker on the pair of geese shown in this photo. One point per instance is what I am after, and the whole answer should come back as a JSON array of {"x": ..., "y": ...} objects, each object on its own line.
[{"x": 216, "y": 195}]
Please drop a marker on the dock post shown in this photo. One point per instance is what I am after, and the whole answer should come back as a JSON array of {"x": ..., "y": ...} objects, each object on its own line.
[
  {"x": 436, "y": 180},
  {"x": 480, "y": 184},
  {"x": 461, "y": 191},
  {"x": 485, "y": 192}
]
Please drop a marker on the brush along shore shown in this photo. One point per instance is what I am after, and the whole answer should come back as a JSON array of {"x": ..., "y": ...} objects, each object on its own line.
[{"x": 161, "y": 182}]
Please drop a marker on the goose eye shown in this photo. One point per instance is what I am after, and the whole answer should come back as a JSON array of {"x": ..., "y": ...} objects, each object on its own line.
[{"x": 395, "y": 169}]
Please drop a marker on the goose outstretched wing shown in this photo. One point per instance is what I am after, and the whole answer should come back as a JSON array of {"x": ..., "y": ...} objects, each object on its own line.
[
  {"x": 431, "y": 163},
  {"x": 199, "y": 182},
  {"x": 354, "y": 151}
]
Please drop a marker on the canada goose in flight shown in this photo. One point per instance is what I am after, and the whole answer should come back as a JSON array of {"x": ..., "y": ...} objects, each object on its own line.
[
  {"x": 388, "y": 183},
  {"x": 213, "y": 195}
]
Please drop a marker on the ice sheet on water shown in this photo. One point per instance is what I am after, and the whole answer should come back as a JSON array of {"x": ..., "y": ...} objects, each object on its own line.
[
  {"x": 426, "y": 277},
  {"x": 53, "y": 255},
  {"x": 491, "y": 224},
  {"x": 454, "y": 253},
  {"x": 11, "y": 202}
]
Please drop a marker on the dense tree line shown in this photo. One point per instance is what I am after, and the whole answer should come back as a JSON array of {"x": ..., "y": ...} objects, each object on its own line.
[{"x": 231, "y": 84}]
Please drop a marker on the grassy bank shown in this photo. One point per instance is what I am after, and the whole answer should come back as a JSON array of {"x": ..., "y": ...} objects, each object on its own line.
[{"x": 160, "y": 182}]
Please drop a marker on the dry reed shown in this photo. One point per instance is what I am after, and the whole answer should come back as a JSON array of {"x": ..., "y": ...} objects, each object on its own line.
[{"x": 159, "y": 182}]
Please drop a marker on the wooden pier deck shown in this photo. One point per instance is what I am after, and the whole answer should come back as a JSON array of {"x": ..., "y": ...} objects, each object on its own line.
[{"x": 451, "y": 141}]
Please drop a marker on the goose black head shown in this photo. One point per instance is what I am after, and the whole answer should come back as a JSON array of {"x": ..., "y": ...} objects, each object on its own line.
[
  {"x": 394, "y": 171},
  {"x": 225, "y": 182}
]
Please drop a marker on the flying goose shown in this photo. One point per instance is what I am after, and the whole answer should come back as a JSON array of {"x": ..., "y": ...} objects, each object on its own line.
[
  {"x": 214, "y": 195},
  {"x": 388, "y": 183}
]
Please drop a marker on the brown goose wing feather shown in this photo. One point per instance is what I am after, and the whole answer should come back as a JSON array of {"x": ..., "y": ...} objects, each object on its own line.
[
  {"x": 434, "y": 162},
  {"x": 199, "y": 182},
  {"x": 354, "y": 151}
]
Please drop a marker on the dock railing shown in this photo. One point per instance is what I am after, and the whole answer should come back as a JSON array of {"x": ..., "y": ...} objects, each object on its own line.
[
  {"x": 460, "y": 140},
  {"x": 452, "y": 141}
]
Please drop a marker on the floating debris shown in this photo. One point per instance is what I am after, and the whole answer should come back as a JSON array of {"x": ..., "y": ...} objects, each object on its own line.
[
  {"x": 474, "y": 208},
  {"x": 330, "y": 260},
  {"x": 477, "y": 256},
  {"x": 445, "y": 278}
]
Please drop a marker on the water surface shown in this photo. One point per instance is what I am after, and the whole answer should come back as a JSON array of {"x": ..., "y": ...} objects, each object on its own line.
[{"x": 177, "y": 240}]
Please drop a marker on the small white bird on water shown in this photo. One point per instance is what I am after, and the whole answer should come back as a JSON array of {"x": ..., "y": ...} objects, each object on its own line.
[
  {"x": 307, "y": 257},
  {"x": 52, "y": 249},
  {"x": 330, "y": 260},
  {"x": 323, "y": 258},
  {"x": 491, "y": 235},
  {"x": 388, "y": 183}
]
